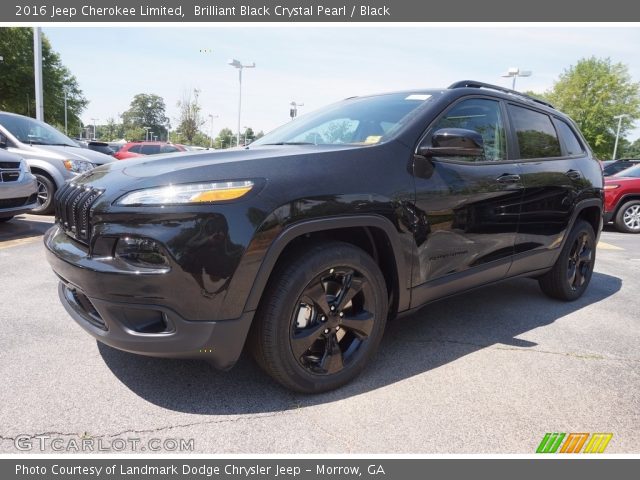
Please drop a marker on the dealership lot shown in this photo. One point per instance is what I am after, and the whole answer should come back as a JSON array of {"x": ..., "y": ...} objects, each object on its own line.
[{"x": 490, "y": 372}]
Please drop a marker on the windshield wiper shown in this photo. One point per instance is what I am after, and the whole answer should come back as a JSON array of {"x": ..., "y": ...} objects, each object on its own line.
[{"x": 291, "y": 143}]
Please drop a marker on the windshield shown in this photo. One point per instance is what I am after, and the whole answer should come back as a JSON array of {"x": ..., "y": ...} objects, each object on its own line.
[
  {"x": 31, "y": 131},
  {"x": 630, "y": 172},
  {"x": 357, "y": 121}
]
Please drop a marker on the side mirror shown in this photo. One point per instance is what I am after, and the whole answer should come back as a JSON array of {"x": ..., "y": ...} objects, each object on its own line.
[{"x": 454, "y": 142}]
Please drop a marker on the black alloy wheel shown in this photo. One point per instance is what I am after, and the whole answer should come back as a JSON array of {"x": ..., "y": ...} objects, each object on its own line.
[{"x": 321, "y": 317}]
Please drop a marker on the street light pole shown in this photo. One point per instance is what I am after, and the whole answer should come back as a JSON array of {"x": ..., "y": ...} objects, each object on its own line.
[
  {"x": 615, "y": 146},
  {"x": 94, "y": 127},
  {"x": 211, "y": 116},
  {"x": 515, "y": 72},
  {"x": 146, "y": 133},
  {"x": 293, "y": 111},
  {"x": 66, "y": 132},
  {"x": 37, "y": 68},
  {"x": 238, "y": 64}
]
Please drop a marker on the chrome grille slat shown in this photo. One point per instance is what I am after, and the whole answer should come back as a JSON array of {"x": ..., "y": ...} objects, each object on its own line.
[{"x": 73, "y": 207}]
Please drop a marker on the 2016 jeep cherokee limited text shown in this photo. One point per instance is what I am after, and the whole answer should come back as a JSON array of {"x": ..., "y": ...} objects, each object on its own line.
[{"x": 305, "y": 243}]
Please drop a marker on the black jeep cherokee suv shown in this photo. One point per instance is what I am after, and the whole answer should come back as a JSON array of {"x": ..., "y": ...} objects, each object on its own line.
[{"x": 304, "y": 243}]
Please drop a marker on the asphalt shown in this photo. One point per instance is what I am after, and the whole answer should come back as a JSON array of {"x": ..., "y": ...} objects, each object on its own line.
[{"x": 488, "y": 372}]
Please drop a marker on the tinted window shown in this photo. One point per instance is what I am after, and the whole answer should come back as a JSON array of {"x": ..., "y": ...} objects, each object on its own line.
[
  {"x": 168, "y": 149},
  {"x": 536, "y": 135},
  {"x": 150, "y": 149},
  {"x": 135, "y": 148},
  {"x": 571, "y": 142},
  {"x": 482, "y": 116},
  {"x": 630, "y": 172}
]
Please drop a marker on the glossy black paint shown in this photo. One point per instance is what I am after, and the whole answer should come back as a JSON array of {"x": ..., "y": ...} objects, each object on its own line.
[{"x": 441, "y": 226}]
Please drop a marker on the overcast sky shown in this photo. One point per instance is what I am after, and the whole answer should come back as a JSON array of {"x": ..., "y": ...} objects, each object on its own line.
[{"x": 316, "y": 66}]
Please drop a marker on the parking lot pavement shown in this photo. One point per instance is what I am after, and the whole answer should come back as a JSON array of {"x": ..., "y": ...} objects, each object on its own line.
[{"x": 490, "y": 372}]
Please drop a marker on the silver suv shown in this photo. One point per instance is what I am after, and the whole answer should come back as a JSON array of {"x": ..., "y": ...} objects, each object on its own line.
[
  {"x": 52, "y": 156},
  {"x": 17, "y": 186}
]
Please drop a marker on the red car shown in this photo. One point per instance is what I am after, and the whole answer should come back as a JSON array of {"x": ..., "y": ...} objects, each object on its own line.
[
  {"x": 622, "y": 200},
  {"x": 138, "y": 149}
]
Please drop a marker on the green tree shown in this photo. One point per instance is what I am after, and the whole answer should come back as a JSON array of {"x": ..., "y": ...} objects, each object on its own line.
[
  {"x": 17, "y": 81},
  {"x": 629, "y": 149},
  {"x": 593, "y": 92},
  {"x": 146, "y": 110},
  {"x": 190, "y": 116},
  {"x": 225, "y": 139}
]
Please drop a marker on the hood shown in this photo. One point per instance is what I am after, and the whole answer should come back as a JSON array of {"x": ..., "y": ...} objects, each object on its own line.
[
  {"x": 57, "y": 152},
  {"x": 620, "y": 180},
  {"x": 76, "y": 153},
  {"x": 187, "y": 167}
]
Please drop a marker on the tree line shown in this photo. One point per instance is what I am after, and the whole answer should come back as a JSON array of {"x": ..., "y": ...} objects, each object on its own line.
[{"x": 594, "y": 92}]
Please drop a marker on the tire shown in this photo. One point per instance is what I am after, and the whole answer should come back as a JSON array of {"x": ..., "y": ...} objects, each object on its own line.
[
  {"x": 571, "y": 274},
  {"x": 46, "y": 191},
  {"x": 321, "y": 318},
  {"x": 628, "y": 217},
  {"x": 5, "y": 219}
]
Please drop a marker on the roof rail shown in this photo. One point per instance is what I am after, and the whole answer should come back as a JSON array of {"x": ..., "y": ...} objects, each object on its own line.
[{"x": 474, "y": 84}]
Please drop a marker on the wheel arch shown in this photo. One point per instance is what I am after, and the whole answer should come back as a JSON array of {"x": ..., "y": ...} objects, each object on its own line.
[{"x": 374, "y": 234}]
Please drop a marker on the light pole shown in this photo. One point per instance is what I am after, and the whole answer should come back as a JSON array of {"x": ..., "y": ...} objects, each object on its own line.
[
  {"x": 293, "y": 111},
  {"x": 94, "y": 127},
  {"x": 65, "y": 112},
  {"x": 615, "y": 146},
  {"x": 146, "y": 133},
  {"x": 238, "y": 64},
  {"x": 37, "y": 69},
  {"x": 515, "y": 72},
  {"x": 211, "y": 116}
]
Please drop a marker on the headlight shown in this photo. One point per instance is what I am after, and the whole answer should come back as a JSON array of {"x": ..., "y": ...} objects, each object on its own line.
[
  {"x": 187, "y": 193},
  {"x": 78, "y": 166}
]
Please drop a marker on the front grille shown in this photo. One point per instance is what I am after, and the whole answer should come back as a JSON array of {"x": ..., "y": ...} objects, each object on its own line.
[
  {"x": 72, "y": 205},
  {"x": 13, "y": 202},
  {"x": 9, "y": 171},
  {"x": 10, "y": 165}
]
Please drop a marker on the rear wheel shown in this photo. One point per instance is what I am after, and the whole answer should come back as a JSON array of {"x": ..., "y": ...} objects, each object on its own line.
[
  {"x": 46, "y": 190},
  {"x": 570, "y": 276},
  {"x": 628, "y": 217},
  {"x": 321, "y": 318}
]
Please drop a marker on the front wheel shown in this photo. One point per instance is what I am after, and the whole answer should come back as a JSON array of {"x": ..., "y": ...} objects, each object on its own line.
[
  {"x": 321, "y": 318},
  {"x": 628, "y": 217},
  {"x": 46, "y": 190},
  {"x": 570, "y": 275}
]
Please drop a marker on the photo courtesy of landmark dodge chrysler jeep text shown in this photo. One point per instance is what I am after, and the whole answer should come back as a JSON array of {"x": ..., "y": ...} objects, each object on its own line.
[{"x": 303, "y": 244}]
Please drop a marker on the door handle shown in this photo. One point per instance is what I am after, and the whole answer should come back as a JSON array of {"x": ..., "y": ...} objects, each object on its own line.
[
  {"x": 508, "y": 178},
  {"x": 573, "y": 174}
]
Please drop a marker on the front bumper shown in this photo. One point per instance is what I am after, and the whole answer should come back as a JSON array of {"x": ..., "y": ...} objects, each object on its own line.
[
  {"x": 148, "y": 325},
  {"x": 607, "y": 217},
  {"x": 18, "y": 197}
]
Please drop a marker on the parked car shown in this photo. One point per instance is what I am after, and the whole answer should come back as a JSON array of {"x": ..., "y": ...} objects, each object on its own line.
[
  {"x": 622, "y": 200},
  {"x": 102, "y": 147},
  {"x": 137, "y": 149},
  {"x": 619, "y": 165},
  {"x": 310, "y": 239},
  {"x": 52, "y": 156},
  {"x": 18, "y": 191}
]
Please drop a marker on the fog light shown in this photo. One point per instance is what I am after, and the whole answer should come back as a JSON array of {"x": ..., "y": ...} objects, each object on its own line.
[{"x": 141, "y": 252}]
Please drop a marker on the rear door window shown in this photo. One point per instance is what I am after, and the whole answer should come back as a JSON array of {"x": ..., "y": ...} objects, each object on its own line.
[
  {"x": 571, "y": 142},
  {"x": 536, "y": 134},
  {"x": 150, "y": 149}
]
